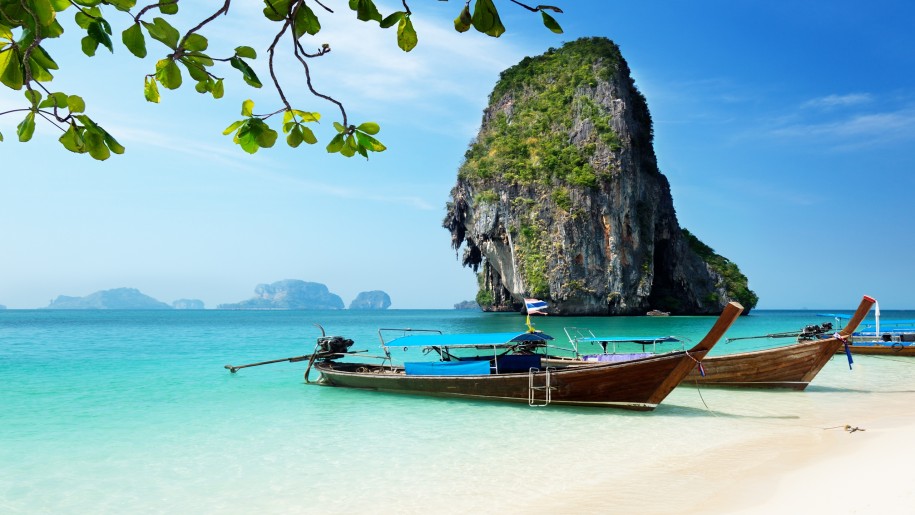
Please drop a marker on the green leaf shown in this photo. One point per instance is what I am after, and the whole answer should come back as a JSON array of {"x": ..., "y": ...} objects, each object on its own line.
[
  {"x": 194, "y": 69},
  {"x": 201, "y": 86},
  {"x": 72, "y": 140},
  {"x": 406, "y": 36},
  {"x": 162, "y": 31},
  {"x": 365, "y": 10},
  {"x": 151, "y": 90},
  {"x": 247, "y": 108},
  {"x": 76, "y": 104},
  {"x": 349, "y": 149},
  {"x": 307, "y": 135},
  {"x": 232, "y": 128},
  {"x": 44, "y": 12},
  {"x": 95, "y": 142},
  {"x": 195, "y": 43},
  {"x": 551, "y": 23},
  {"x": 305, "y": 22},
  {"x": 89, "y": 45},
  {"x": 392, "y": 19},
  {"x": 113, "y": 144},
  {"x": 340, "y": 128},
  {"x": 60, "y": 5},
  {"x": 11, "y": 68},
  {"x": 294, "y": 139},
  {"x": 246, "y": 72},
  {"x": 276, "y": 10},
  {"x": 121, "y": 5},
  {"x": 486, "y": 18},
  {"x": 99, "y": 31},
  {"x": 40, "y": 56},
  {"x": 335, "y": 144},
  {"x": 84, "y": 17},
  {"x": 33, "y": 96},
  {"x": 218, "y": 91},
  {"x": 58, "y": 100},
  {"x": 306, "y": 116},
  {"x": 168, "y": 73},
  {"x": 245, "y": 51},
  {"x": 369, "y": 127},
  {"x": 369, "y": 143},
  {"x": 26, "y": 128},
  {"x": 171, "y": 8},
  {"x": 1, "y": 136},
  {"x": 463, "y": 21}
]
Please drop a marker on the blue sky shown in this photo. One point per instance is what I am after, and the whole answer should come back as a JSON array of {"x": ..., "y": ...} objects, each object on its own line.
[{"x": 786, "y": 130}]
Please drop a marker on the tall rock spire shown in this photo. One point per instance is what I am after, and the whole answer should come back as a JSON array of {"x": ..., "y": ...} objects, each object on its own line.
[{"x": 560, "y": 198}]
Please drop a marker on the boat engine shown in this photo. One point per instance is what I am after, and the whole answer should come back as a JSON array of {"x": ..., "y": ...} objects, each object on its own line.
[
  {"x": 812, "y": 332},
  {"x": 334, "y": 345}
]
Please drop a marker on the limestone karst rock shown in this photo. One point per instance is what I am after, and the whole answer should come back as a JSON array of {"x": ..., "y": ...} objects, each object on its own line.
[{"x": 560, "y": 198}]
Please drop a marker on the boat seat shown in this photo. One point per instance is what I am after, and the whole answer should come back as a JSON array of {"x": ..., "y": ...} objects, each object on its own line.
[
  {"x": 907, "y": 337},
  {"x": 616, "y": 357},
  {"x": 447, "y": 368},
  {"x": 517, "y": 363}
]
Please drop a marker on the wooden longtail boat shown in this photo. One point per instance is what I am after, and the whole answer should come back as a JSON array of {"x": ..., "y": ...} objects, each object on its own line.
[
  {"x": 640, "y": 384},
  {"x": 790, "y": 366},
  {"x": 894, "y": 338}
]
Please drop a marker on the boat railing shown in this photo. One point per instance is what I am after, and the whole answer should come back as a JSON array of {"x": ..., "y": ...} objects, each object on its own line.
[
  {"x": 609, "y": 345},
  {"x": 576, "y": 334}
]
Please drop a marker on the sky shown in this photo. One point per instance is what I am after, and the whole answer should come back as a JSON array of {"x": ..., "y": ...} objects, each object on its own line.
[{"x": 786, "y": 130}]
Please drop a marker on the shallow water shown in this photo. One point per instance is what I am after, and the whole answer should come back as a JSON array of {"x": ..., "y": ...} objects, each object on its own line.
[{"x": 114, "y": 411}]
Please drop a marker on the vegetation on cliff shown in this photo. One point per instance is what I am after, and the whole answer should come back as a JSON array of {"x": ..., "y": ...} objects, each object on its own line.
[
  {"x": 734, "y": 281},
  {"x": 530, "y": 144}
]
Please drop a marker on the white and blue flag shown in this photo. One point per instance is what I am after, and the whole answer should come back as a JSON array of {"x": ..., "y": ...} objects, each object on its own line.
[{"x": 535, "y": 306}]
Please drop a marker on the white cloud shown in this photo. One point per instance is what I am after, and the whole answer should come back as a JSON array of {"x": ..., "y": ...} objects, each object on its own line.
[
  {"x": 863, "y": 129},
  {"x": 831, "y": 101}
]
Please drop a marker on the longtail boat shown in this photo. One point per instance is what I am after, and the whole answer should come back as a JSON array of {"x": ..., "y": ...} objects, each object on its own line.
[
  {"x": 880, "y": 338},
  {"x": 639, "y": 384},
  {"x": 790, "y": 366}
]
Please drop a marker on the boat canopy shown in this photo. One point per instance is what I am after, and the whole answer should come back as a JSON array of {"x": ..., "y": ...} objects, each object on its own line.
[
  {"x": 634, "y": 339},
  {"x": 466, "y": 340}
]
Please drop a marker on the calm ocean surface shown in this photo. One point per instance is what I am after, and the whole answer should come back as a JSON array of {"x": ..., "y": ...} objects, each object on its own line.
[{"x": 133, "y": 412}]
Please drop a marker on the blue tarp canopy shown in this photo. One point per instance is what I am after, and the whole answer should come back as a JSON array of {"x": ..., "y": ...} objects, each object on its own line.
[
  {"x": 634, "y": 339},
  {"x": 466, "y": 340}
]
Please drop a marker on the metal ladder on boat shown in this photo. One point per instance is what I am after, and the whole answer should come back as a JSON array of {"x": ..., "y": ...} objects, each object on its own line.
[{"x": 547, "y": 389}]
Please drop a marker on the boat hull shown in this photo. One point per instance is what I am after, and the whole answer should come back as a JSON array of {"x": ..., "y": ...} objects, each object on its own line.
[
  {"x": 635, "y": 385},
  {"x": 880, "y": 348},
  {"x": 791, "y": 366}
]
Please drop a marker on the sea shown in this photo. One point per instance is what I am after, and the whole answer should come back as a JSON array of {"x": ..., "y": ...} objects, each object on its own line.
[{"x": 134, "y": 412}]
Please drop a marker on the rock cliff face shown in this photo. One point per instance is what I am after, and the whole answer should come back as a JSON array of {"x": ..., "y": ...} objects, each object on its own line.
[
  {"x": 560, "y": 198},
  {"x": 375, "y": 299},
  {"x": 289, "y": 294}
]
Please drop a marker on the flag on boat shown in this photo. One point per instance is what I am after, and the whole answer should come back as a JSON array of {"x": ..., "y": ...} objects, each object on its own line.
[{"x": 535, "y": 306}]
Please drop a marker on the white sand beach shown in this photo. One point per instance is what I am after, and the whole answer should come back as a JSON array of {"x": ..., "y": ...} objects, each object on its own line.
[{"x": 861, "y": 471}]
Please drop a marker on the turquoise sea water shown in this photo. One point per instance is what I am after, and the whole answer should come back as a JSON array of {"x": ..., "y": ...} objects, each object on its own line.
[{"x": 133, "y": 412}]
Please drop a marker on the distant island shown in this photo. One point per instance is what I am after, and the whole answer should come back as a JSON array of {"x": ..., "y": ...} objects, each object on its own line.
[
  {"x": 187, "y": 304},
  {"x": 118, "y": 298},
  {"x": 467, "y": 304},
  {"x": 2, "y": 306},
  {"x": 375, "y": 299},
  {"x": 289, "y": 294}
]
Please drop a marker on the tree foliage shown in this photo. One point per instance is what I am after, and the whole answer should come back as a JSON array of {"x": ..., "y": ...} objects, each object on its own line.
[{"x": 185, "y": 58}]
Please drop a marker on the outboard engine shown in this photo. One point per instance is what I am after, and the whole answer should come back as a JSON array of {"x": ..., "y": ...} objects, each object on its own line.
[
  {"x": 813, "y": 332},
  {"x": 333, "y": 345}
]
